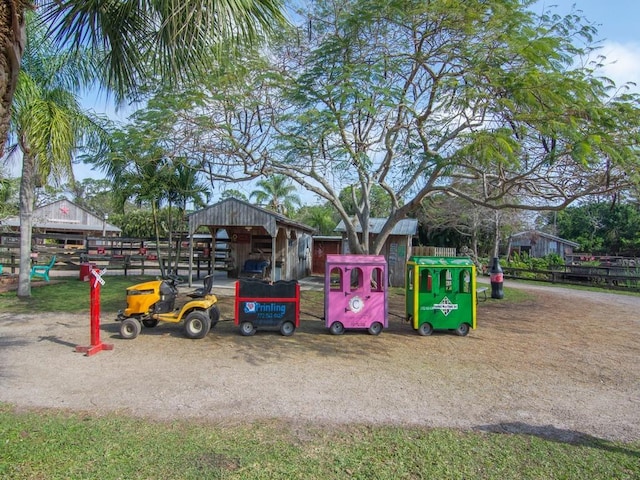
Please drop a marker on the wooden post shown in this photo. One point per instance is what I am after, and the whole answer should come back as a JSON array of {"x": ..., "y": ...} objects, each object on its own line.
[{"x": 95, "y": 281}]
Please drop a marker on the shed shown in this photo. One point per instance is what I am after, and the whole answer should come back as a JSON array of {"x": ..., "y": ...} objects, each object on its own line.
[
  {"x": 324, "y": 245},
  {"x": 67, "y": 221},
  {"x": 538, "y": 244},
  {"x": 257, "y": 234},
  {"x": 397, "y": 248}
]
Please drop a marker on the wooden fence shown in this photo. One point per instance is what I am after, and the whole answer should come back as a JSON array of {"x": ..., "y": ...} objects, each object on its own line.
[
  {"x": 611, "y": 277},
  {"x": 128, "y": 255}
]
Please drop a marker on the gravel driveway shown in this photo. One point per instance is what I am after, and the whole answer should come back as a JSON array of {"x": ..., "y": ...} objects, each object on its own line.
[{"x": 563, "y": 364}]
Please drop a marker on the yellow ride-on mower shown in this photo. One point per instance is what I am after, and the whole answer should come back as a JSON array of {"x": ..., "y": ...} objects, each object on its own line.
[{"x": 152, "y": 302}]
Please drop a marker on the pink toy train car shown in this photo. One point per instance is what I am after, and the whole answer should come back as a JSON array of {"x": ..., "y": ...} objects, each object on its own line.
[{"x": 356, "y": 293}]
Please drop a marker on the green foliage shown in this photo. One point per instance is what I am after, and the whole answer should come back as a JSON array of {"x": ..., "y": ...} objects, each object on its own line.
[
  {"x": 233, "y": 193},
  {"x": 140, "y": 223},
  {"x": 164, "y": 41},
  {"x": 277, "y": 193},
  {"x": 56, "y": 445},
  {"x": 321, "y": 217},
  {"x": 379, "y": 201},
  {"x": 523, "y": 260},
  {"x": 9, "y": 188},
  {"x": 601, "y": 227}
]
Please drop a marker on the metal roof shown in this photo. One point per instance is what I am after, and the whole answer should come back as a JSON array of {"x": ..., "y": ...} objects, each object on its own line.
[
  {"x": 235, "y": 212},
  {"x": 63, "y": 214},
  {"x": 545, "y": 235},
  {"x": 407, "y": 226},
  {"x": 441, "y": 261}
]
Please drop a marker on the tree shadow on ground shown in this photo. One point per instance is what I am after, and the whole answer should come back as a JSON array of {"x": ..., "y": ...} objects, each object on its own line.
[{"x": 561, "y": 435}]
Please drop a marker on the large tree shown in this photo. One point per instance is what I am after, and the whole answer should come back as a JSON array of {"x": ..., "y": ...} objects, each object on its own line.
[
  {"x": 166, "y": 39},
  {"x": 48, "y": 125},
  {"x": 484, "y": 101}
]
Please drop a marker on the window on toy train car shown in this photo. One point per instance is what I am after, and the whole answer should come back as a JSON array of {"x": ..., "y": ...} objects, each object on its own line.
[
  {"x": 465, "y": 281},
  {"x": 356, "y": 279},
  {"x": 426, "y": 281},
  {"x": 376, "y": 280},
  {"x": 446, "y": 280},
  {"x": 335, "y": 279}
]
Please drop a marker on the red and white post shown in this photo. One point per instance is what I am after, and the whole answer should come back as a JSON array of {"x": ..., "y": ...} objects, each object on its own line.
[{"x": 95, "y": 281}]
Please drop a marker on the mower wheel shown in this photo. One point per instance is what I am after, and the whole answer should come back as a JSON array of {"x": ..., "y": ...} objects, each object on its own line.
[
  {"x": 197, "y": 324},
  {"x": 150, "y": 322},
  {"x": 130, "y": 328},
  {"x": 214, "y": 315}
]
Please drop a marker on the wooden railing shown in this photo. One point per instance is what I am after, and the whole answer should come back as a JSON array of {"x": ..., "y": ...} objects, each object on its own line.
[
  {"x": 613, "y": 277},
  {"x": 70, "y": 260}
]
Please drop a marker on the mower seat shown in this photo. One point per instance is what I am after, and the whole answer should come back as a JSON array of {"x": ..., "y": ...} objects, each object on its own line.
[{"x": 205, "y": 290}]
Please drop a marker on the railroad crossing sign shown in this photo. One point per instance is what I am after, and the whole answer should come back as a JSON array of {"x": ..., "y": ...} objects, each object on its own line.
[{"x": 94, "y": 303}]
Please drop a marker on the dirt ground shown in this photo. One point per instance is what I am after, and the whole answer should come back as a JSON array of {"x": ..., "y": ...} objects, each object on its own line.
[{"x": 563, "y": 365}]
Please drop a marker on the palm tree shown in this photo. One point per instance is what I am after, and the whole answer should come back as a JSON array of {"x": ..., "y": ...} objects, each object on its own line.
[
  {"x": 8, "y": 190},
  {"x": 48, "y": 125},
  {"x": 276, "y": 193},
  {"x": 187, "y": 187},
  {"x": 168, "y": 39}
]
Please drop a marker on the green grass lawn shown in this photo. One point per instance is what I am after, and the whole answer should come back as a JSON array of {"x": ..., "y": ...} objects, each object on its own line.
[
  {"x": 54, "y": 445},
  {"x": 76, "y": 446},
  {"x": 71, "y": 295}
]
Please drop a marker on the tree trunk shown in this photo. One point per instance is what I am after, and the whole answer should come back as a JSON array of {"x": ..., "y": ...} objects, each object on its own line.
[
  {"x": 27, "y": 195},
  {"x": 154, "y": 212},
  {"x": 13, "y": 37},
  {"x": 496, "y": 244}
]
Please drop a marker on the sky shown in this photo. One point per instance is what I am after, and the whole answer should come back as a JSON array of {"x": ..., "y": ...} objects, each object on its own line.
[
  {"x": 617, "y": 22},
  {"x": 618, "y": 25}
]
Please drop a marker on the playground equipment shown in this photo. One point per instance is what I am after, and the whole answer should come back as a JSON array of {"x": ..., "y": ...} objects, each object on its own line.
[
  {"x": 356, "y": 293},
  {"x": 441, "y": 294},
  {"x": 272, "y": 305}
]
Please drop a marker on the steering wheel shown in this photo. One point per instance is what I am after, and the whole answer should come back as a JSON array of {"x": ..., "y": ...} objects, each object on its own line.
[{"x": 175, "y": 279}]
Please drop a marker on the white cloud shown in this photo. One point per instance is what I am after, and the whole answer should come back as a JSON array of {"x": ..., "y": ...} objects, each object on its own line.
[{"x": 622, "y": 63}]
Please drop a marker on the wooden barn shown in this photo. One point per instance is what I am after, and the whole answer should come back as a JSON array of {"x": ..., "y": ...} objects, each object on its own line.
[
  {"x": 257, "y": 237},
  {"x": 397, "y": 248},
  {"x": 63, "y": 220},
  {"x": 538, "y": 244}
]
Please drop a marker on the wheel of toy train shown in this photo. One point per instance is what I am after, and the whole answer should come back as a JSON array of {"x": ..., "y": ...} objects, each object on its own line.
[
  {"x": 150, "y": 322},
  {"x": 130, "y": 328},
  {"x": 287, "y": 329},
  {"x": 247, "y": 329},
  {"x": 375, "y": 328},
  {"x": 336, "y": 328},
  {"x": 197, "y": 324},
  {"x": 425, "y": 329},
  {"x": 462, "y": 329}
]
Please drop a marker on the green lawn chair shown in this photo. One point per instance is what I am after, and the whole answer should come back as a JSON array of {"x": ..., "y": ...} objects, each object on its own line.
[{"x": 42, "y": 271}]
